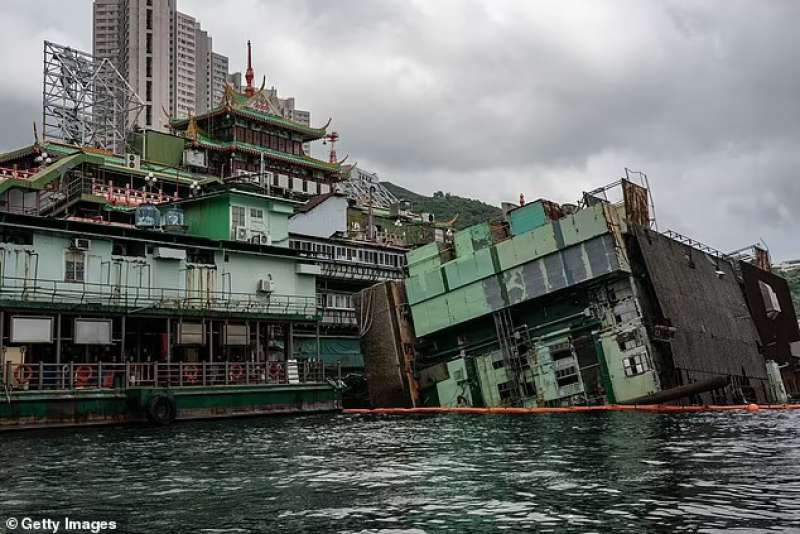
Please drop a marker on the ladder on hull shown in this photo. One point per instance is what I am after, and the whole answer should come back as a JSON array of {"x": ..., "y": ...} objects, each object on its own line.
[{"x": 515, "y": 343}]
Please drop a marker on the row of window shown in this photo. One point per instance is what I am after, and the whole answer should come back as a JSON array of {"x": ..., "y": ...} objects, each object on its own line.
[
  {"x": 351, "y": 254},
  {"x": 239, "y": 216},
  {"x": 636, "y": 365},
  {"x": 268, "y": 140},
  {"x": 338, "y": 301}
]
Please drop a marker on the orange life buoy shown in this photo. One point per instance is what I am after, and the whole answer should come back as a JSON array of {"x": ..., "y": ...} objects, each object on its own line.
[
  {"x": 190, "y": 374},
  {"x": 236, "y": 372},
  {"x": 274, "y": 371},
  {"x": 23, "y": 374},
  {"x": 83, "y": 374}
]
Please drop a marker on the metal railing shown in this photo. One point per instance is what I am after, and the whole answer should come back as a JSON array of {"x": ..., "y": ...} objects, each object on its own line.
[
  {"x": 338, "y": 316},
  {"x": 73, "y": 376},
  {"x": 142, "y": 298}
]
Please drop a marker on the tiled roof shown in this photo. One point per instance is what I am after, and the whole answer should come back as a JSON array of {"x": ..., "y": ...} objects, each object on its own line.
[{"x": 306, "y": 161}]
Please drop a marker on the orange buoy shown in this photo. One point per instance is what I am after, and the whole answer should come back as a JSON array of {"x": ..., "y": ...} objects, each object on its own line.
[{"x": 752, "y": 408}]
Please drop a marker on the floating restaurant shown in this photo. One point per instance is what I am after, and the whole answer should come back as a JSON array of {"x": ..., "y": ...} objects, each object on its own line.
[
  {"x": 189, "y": 277},
  {"x": 580, "y": 304}
]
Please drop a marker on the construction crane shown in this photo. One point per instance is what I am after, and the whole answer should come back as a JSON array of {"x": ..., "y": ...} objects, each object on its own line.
[{"x": 332, "y": 138}]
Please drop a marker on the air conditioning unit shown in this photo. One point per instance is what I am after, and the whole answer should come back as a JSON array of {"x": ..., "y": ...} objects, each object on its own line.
[
  {"x": 240, "y": 233},
  {"x": 80, "y": 243},
  {"x": 133, "y": 161},
  {"x": 261, "y": 239},
  {"x": 266, "y": 285}
]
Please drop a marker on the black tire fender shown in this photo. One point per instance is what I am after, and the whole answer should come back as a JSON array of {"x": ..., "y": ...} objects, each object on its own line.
[{"x": 161, "y": 409}]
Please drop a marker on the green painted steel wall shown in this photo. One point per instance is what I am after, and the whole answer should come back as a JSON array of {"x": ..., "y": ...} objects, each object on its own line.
[
  {"x": 527, "y": 218},
  {"x": 474, "y": 238},
  {"x": 209, "y": 217},
  {"x": 423, "y": 259},
  {"x": 548, "y": 258},
  {"x": 469, "y": 269},
  {"x": 534, "y": 279},
  {"x": 164, "y": 149},
  {"x": 345, "y": 351},
  {"x": 29, "y": 407},
  {"x": 526, "y": 247},
  {"x": 201, "y": 401},
  {"x": 625, "y": 387},
  {"x": 82, "y": 407},
  {"x": 424, "y": 285}
]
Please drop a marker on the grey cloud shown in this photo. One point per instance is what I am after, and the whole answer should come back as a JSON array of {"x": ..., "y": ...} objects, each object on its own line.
[{"x": 494, "y": 98}]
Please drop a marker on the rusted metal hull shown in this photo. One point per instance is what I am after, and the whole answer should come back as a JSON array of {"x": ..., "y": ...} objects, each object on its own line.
[{"x": 51, "y": 409}]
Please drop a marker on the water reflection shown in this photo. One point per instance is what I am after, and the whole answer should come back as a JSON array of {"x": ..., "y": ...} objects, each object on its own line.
[{"x": 595, "y": 472}]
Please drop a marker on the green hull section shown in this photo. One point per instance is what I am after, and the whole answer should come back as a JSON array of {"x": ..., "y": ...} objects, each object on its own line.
[{"x": 27, "y": 410}]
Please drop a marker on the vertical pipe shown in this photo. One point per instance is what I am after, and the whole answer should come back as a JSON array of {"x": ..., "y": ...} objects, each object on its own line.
[
  {"x": 138, "y": 341},
  {"x": 318, "y": 347},
  {"x": 169, "y": 340},
  {"x": 58, "y": 338},
  {"x": 258, "y": 341},
  {"x": 122, "y": 342},
  {"x": 210, "y": 341}
]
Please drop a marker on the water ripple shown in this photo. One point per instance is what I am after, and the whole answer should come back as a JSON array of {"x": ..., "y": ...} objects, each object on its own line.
[{"x": 598, "y": 472}]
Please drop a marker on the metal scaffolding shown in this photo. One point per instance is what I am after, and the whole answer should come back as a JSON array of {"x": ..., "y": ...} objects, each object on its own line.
[{"x": 85, "y": 100}]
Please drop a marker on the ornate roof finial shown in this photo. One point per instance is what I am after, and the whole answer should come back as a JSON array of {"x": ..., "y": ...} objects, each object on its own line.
[{"x": 249, "y": 90}]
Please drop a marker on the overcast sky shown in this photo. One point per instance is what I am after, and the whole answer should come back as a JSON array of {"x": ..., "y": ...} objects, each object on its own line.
[{"x": 493, "y": 99}]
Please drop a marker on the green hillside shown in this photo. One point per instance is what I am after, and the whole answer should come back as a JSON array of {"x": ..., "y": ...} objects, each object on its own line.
[
  {"x": 445, "y": 206},
  {"x": 793, "y": 278}
]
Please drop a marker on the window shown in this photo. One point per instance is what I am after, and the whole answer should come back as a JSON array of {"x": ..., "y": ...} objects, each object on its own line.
[
  {"x": 74, "y": 266},
  {"x": 636, "y": 365},
  {"x": 258, "y": 214},
  {"x": 529, "y": 388},
  {"x": 148, "y": 68},
  {"x": 504, "y": 390},
  {"x": 497, "y": 364},
  {"x": 148, "y": 89},
  {"x": 149, "y": 43},
  {"x": 149, "y": 19},
  {"x": 237, "y": 216}
]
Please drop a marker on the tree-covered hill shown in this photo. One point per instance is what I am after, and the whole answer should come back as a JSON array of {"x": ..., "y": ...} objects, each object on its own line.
[
  {"x": 793, "y": 278},
  {"x": 445, "y": 206}
]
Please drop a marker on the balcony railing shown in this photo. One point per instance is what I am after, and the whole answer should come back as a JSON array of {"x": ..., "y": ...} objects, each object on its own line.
[
  {"x": 83, "y": 376},
  {"x": 143, "y": 298},
  {"x": 338, "y": 316}
]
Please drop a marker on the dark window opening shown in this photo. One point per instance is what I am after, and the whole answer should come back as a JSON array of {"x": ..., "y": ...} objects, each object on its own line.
[
  {"x": 205, "y": 257},
  {"x": 128, "y": 248}
]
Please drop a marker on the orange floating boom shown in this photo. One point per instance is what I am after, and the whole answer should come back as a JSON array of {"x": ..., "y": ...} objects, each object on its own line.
[{"x": 653, "y": 408}]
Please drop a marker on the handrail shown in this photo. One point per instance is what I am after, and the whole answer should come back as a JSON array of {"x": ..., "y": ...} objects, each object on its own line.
[
  {"x": 121, "y": 376},
  {"x": 128, "y": 296}
]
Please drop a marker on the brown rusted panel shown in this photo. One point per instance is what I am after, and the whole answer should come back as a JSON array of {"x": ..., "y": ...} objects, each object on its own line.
[
  {"x": 636, "y": 205},
  {"x": 385, "y": 364},
  {"x": 762, "y": 259},
  {"x": 778, "y": 332},
  {"x": 700, "y": 297}
]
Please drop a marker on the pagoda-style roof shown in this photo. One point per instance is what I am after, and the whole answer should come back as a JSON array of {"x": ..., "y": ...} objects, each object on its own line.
[
  {"x": 204, "y": 141},
  {"x": 306, "y": 132},
  {"x": 255, "y": 107}
]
